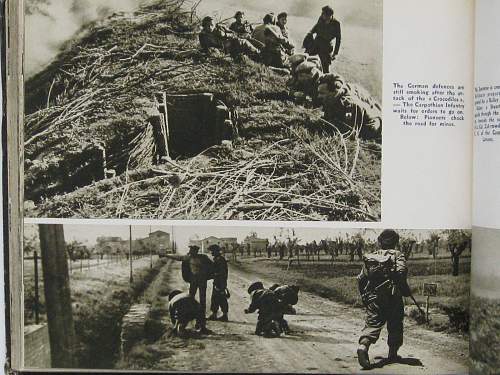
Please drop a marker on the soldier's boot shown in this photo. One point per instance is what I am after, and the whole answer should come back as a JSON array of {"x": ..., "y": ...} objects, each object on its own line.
[
  {"x": 224, "y": 318},
  {"x": 363, "y": 357},
  {"x": 393, "y": 354},
  {"x": 212, "y": 316}
]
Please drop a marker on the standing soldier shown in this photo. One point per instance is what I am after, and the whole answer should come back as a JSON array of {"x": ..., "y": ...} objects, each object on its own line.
[
  {"x": 219, "y": 290},
  {"x": 382, "y": 285},
  {"x": 326, "y": 29},
  {"x": 196, "y": 270}
]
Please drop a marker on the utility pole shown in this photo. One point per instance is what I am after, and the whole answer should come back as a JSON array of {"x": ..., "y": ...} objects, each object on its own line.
[
  {"x": 130, "y": 254},
  {"x": 57, "y": 295}
]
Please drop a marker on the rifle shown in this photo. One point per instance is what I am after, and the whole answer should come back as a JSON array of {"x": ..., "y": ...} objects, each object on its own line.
[{"x": 418, "y": 306}]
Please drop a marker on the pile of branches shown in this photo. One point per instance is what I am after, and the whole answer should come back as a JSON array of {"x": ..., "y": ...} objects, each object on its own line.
[{"x": 303, "y": 177}]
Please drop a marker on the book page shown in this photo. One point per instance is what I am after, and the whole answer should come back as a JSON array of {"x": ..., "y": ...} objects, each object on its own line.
[
  {"x": 283, "y": 136},
  {"x": 485, "y": 294},
  {"x": 487, "y": 117}
]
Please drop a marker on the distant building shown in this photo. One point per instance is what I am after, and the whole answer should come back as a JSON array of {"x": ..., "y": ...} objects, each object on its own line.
[
  {"x": 157, "y": 242},
  {"x": 110, "y": 245},
  {"x": 227, "y": 244},
  {"x": 255, "y": 244}
]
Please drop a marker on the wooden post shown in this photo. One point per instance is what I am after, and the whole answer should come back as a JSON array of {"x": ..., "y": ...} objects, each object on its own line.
[
  {"x": 37, "y": 296},
  {"x": 57, "y": 295}
]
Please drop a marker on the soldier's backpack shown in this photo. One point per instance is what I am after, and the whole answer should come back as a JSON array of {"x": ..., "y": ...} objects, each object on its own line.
[
  {"x": 379, "y": 267},
  {"x": 186, "y": 271}
]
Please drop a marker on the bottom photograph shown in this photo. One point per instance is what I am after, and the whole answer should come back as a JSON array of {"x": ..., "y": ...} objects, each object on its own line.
[{"x": 215, "y": 298}]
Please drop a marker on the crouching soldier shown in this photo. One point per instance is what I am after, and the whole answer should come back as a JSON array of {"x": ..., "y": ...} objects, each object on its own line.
[
  {"x": 223, "y": 39},
  {"x": 382, "y": 284},
  {"x": 219, "y": 289},
  {"x": 288, "y": 295},
  {"x": 269, "y": 307},
  {"x": 183, "y": 308}
]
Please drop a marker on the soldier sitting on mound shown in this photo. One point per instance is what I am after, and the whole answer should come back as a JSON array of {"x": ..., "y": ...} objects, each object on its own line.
[
  {"x": 220, "y": 38},
  {"x": 269, "y": 307},
  {"x": 183, "y": 308},
  {"x": 288, "y": 295},
  {"x": 382, "y": 285}
]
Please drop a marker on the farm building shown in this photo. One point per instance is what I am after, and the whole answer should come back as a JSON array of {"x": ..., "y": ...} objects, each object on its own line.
[
  {"x": 226, "y": 243},
  {"x": 255, "y": 244}
]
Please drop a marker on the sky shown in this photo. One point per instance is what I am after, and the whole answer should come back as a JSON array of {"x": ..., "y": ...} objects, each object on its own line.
[
  {"x": 88, "y": 233},
  {"x": 361, "y": 26}
]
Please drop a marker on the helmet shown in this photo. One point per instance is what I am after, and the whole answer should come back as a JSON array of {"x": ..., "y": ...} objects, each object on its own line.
[
  {"x": 214, "y": 249},
  {"x": 206, "y": 20},
  {"x": 255, "y": 286},
  {"x": 388, "y": 239},
  {"x": 173, "y": 293}
]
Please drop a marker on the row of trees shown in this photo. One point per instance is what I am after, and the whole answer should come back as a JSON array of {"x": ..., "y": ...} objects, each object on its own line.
[{"x": 450, "y": 243}]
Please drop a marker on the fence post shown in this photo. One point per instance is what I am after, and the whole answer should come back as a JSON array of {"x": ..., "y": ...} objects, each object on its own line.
[
  {"x": 37, "y": 296},
  {"x": 57, "y": 295}
]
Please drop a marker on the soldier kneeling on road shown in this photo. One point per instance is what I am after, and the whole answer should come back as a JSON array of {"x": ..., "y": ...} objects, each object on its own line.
[
  {"x": 269, "y": 307},
  {"x": 183, "y": 308},
  {"x": 225, "y": 40},
  {"x": 382, "y": 285},
  {"x": 288, "y": 295}
]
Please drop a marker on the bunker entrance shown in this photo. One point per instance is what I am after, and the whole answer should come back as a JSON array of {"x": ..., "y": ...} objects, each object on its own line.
[{"x": 187, "y": 124}]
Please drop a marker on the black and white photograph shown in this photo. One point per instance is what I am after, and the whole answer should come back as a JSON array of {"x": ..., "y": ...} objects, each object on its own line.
[
  {"x": 203, "y": 109},
  {"x": 234, "y": 298}
]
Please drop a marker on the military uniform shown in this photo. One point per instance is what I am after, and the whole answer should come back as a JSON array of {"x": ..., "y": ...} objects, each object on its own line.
[
  {"x": 241, "y": 28},
  {"x": 288, "y": 295},
  {"x": 219, "y": 297},
  {"x": 274, "y": 52},
  {"x": 269, "y": 307},
  {"x": 201, "y": 269},
  {"x": 226, "y": 41},
  {"x": 322, "y": 44},
  {"x": 183, "y": 308},
  {"x": 383, "y": 300}
]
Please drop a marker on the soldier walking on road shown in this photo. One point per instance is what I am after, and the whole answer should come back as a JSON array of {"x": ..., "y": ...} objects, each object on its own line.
[
  {"x": 219, "y": 289},
  {"x": 382, "y": 284},
  {"x": 326, "y": 29}
]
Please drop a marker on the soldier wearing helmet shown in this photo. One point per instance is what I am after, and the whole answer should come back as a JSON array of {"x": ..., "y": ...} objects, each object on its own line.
[
  {"x": 382, "y": 285},
  {"x": 219, "y": 289}
]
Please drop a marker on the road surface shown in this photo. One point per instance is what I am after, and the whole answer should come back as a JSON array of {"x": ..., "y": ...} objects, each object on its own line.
[{"x": 324, "y": 339}]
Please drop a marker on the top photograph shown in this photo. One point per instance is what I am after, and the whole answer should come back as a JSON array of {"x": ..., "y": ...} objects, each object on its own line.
[{"x": 203, "y": 109}]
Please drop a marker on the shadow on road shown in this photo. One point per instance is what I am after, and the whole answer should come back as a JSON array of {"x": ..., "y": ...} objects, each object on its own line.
[{"x": 415, "y": 362}]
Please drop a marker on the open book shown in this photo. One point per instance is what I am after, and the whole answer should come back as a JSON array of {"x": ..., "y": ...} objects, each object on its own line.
[{"x": 207, "y": 186}]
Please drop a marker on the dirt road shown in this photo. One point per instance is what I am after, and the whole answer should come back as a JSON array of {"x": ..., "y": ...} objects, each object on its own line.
[{"x": 324, "y": 339}]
